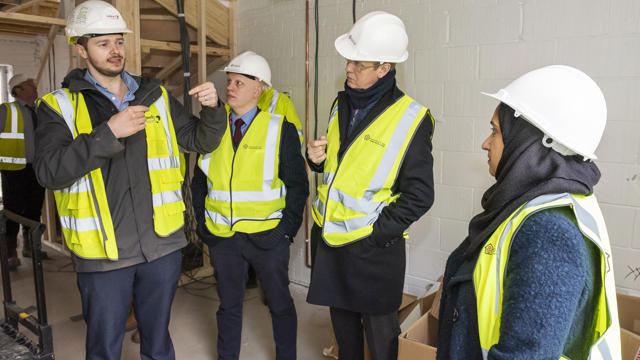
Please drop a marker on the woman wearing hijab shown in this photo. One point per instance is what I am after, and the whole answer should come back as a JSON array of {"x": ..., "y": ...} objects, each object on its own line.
[{"x": 533, "y": 279}]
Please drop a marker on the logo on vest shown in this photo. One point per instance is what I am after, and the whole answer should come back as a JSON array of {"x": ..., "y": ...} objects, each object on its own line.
[
  {"x": 377, "y": 142},
  {"x": 489, "y": 249},
  {"x": 251, "y": 147}
]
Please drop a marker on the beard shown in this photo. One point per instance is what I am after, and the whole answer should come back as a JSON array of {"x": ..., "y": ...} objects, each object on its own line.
[{"x": 105, "y": 71}]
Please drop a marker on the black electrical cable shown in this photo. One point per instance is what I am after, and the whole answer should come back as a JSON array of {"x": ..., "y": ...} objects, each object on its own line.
[
  {"x": 315, "y": 71},
  {"x": 315, "y": 77},
  {"x": 353, "y": 11},
  {"x": 184, "y": 40},
  {"x": 53, "y": 57}
]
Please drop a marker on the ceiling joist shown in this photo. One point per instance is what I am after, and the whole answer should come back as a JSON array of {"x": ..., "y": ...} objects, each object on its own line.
[{"x": 32, "y": 19}]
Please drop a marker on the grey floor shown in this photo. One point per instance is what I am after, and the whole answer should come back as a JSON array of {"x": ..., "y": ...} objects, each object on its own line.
[{"x": 193, "y": 326}]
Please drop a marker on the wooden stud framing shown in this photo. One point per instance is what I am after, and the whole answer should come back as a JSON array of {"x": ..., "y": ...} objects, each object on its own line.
[
  {"x": 170, "y": 68},
  {"x": 176, "y": 47},
  {"x": 24, "y": 5},
  {"x": 130, "y": 10},
  {"x": 47, "y": 49},
  {"x": 26, "y": 18}
]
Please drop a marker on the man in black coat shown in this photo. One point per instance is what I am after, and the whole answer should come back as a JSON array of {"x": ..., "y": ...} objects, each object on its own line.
[{"x": 377, "y": 180}]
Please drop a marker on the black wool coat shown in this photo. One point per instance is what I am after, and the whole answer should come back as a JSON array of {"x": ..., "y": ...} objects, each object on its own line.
[{"x": 367, "y": 276}]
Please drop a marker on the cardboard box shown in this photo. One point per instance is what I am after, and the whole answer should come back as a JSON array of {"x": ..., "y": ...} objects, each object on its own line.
[
  {"x": 409, "y": 302},
  {"x": 419, "y": 341},
  {"x": 629, "y": 315}
]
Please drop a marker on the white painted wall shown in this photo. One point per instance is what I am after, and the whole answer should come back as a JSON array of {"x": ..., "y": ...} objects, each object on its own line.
[
  {"x": 25, "y": 53},
  {"x": 458, "y": 48}
]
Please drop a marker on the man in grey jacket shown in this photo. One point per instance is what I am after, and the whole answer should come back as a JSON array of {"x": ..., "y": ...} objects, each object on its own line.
[{"x": 107, "y": 143}]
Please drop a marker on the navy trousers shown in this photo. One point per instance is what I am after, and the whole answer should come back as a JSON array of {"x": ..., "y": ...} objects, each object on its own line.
[
  {"x": 106, "y": 298},
  {"x": 231, "y": 258}
]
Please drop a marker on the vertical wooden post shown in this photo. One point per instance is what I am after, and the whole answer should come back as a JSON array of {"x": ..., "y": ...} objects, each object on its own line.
[
  {"x": 69, "y": 5},
  {"x": 232, "y": 28},
  {"x": 130, "y": 10}
]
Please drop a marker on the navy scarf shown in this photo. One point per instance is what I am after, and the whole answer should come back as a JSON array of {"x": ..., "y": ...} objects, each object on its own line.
[{"x": 362, "y": 98}]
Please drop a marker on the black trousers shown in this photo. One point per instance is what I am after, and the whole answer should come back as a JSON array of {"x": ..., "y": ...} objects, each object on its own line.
[
  {"x": 381, "y": 330},
  {"x": 22, "y": 195},
  {"x": 230, "y": 259}
]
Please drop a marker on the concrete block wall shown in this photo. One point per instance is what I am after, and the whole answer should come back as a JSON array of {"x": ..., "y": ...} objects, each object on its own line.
[
  {"x": 25, "y": 54},
  {"x": 457, "y": 49}
]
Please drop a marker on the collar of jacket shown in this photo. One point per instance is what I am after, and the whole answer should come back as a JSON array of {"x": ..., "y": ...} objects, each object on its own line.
[
  {"x": 76, "y": 82},
  {"x": 344, "y": 108}
]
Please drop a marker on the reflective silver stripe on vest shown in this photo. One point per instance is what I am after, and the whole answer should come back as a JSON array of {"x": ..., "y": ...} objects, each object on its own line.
[
  {"x": 79, "y": 225},
  {"x": 12, "y": 160},
  {"x": 161, "y": 105},
  {"x": 327, "y": 177},
  {"x": 275, "y": 215},
  {"x": 66, "y": 107},
  {"x": 603, "y": 348},
  {"x": 14, "y": 117},
  {"x": 240, "y": 196},
  {"x": 79, "y": 186},
  {"x": 355, "y": 204},
  {"x": 166, "y": 197},
  {"x": 319, "y": 205},
  {"x": 268, "y": 168},
  {"x": 222, "y": 220},
  {"x": 12, "y": 136},
  {"x": 162, "y": 163},
  {"x": 349, "y": 225},
  {"x": 333, "y": 115},
  {"x": 274, "y": 101},
  {"x": 366, "y": 205},
  {"x": 218, "y": 218}
]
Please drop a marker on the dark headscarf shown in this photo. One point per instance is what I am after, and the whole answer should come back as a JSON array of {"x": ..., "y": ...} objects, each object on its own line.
[{"x": 527, "y": 169}]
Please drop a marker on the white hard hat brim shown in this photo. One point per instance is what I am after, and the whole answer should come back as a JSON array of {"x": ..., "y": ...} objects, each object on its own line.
[
  {"x": 503, "y": 97},
  {"x": 346, "y": 48},
  {"x": 228, "y": 70}
]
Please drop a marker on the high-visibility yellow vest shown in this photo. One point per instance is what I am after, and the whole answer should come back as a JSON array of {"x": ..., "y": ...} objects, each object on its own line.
[
  {"x": 84, "y": 212},
  {"x": 245, "y": 193},
  {"x": 12, "y": 151},
  {"x": 275, "y": 102},
  {"x": 355, "y": 189},
  {"x": 489, "y": 273}
]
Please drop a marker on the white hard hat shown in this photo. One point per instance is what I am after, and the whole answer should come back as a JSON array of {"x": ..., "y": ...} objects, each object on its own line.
[
  {"x": 250, "y": 63},
  {"x": 564, "y": 103},
  {"x": 94, "y": 17},
  {"x": 17, "y": 80},
  {"x": 377, "y": 36}
]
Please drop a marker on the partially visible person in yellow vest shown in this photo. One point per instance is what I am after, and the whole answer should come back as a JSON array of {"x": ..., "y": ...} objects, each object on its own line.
[
  {"x": 377, "y": 179},
  {"x": 276, "y": 102},
  {"x": 21, "y": 192},
  {"x": 107, "y": 144},
  {"x": 249, "y": 196},
  {"x": 534, "y": 277}
]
